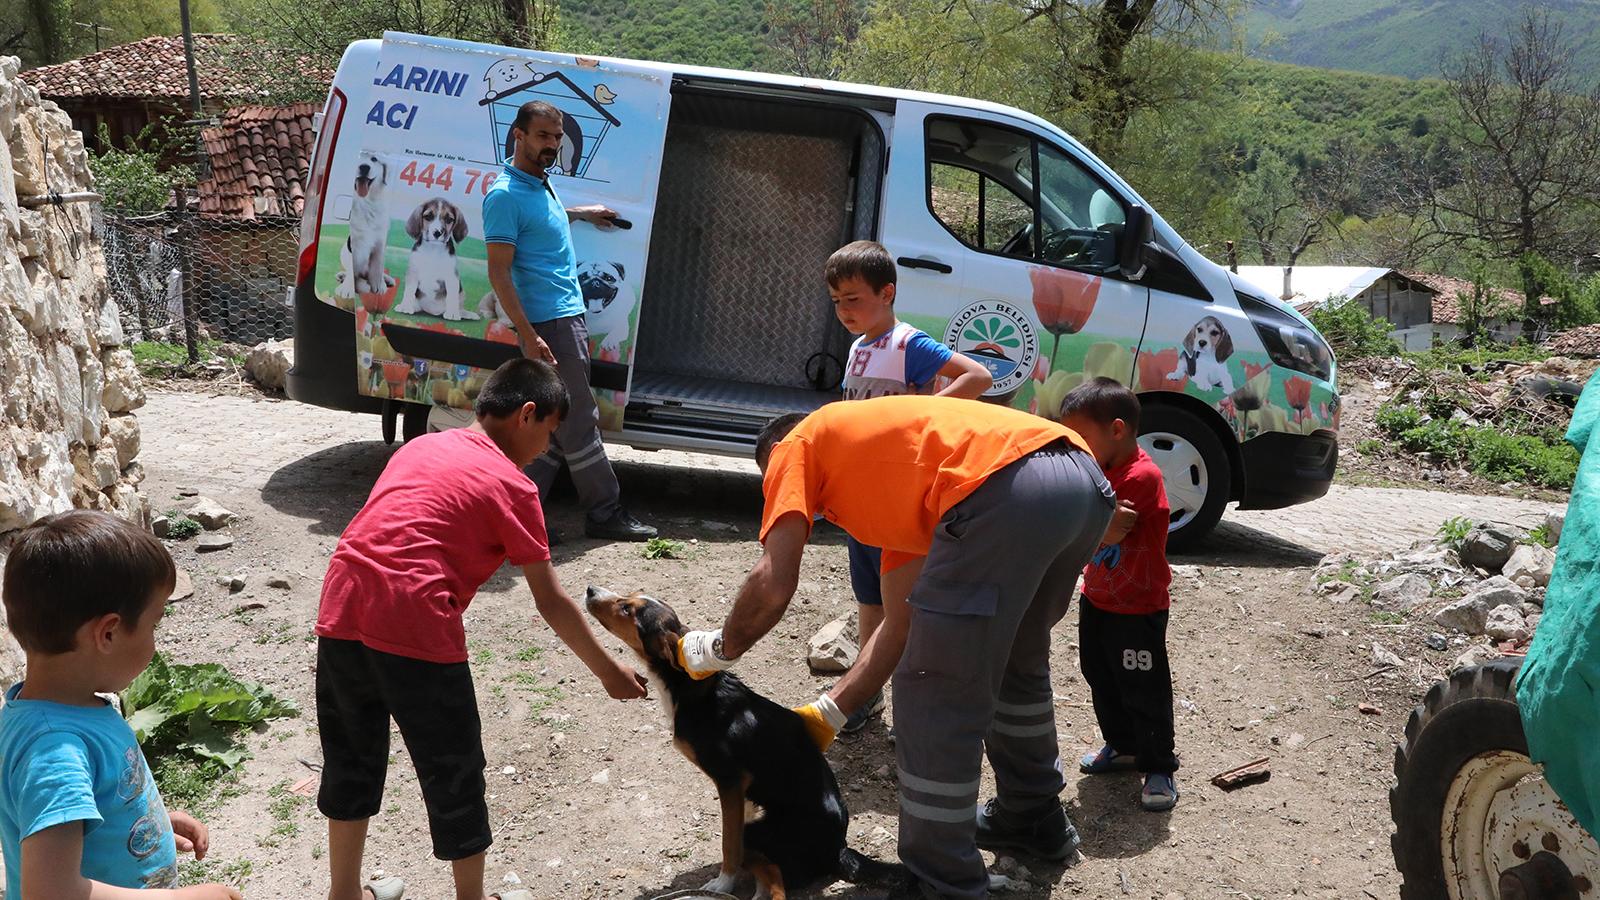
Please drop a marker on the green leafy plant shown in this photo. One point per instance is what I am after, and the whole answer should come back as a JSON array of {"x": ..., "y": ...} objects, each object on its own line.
[
  {"x": 1386, "y": 617},
  {"x": 198, "y": 710},
  {"x": 1541, "y": 535},
  {"x": 1396, "y": 419},
  {"x": 131, "y": 178},
  {"x": 1352, "y": 333},
  {"x": 663, "y": 548},
  {"x": 180, "y": 527},
  {"x": 1519, "y": 457},
  {"x": 1454, "y": 531}
]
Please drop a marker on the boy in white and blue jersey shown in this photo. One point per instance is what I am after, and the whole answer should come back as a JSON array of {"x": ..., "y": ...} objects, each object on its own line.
[{"x": 889, "y": 358}]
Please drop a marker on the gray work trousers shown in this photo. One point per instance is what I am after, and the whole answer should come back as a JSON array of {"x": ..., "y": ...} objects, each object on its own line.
[
  {"x": 577, "y": 442},
  {"x": 975, "y": 674}
]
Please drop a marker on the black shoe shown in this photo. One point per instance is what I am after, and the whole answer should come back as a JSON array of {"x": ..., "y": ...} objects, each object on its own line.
[
  {"x": 1044, "y": 832},
  {"x": 619, "y": 527}
]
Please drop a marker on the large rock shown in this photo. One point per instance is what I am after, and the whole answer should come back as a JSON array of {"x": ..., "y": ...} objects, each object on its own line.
[
  {"x": 1470, "y": 614},
  {"x": 124, "y": 432},
  {"x": 1476, "y": 655},
  {"x": 1530, "y": 561},
  {"x": 1505, "y": 623},
  {"x": 1552, "y": 525},
  {"x": 1403, "y": 594},
  {"x": 124, "y": 389},
  {"x": 268, "y": 363},
  {"x": 831, "y": 648},
  {"x": 211, "y": 515},
  {"x": 1488, "y": 547}
]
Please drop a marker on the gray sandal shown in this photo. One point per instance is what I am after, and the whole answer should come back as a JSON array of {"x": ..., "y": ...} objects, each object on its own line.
[{"x": 390, "y": 888}]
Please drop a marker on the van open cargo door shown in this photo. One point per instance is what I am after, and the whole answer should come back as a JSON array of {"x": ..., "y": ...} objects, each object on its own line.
[{"x": 433, "y": 136}]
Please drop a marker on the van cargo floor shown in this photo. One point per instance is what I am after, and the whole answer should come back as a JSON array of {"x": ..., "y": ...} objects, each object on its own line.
[{"x": 714, "y": 394}]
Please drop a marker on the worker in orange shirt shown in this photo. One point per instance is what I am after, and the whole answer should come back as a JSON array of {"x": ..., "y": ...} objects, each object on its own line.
[{"x": 986, "y": 516}]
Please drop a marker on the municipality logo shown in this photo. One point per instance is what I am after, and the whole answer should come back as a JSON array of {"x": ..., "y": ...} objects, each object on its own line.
[{"x": 1001, "y": 337}]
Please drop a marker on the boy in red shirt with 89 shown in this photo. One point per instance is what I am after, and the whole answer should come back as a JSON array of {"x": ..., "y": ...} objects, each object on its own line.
[
  {"x": 447, "y": 511},
  {"x": 1122, "y": 621}
]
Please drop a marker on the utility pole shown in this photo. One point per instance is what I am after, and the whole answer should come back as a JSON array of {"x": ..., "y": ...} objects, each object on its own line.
[
  {"x": 184, "y": 231},
  {"x": 95, "y": 27}
]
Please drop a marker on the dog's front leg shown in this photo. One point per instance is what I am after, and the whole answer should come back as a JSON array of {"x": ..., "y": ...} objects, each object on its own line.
[
  {"x": 769, "y": 882},
  {"x": 731, "y": 798}
]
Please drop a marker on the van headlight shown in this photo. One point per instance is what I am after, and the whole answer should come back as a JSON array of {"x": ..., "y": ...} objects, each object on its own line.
[{"x": 1289, "y": 342}]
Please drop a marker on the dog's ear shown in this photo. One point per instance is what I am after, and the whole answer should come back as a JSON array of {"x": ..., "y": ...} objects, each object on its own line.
[
  {"x": 621, "y": 272},
  {"x": 1224, "y": 343},
  {"x": 414, "y": 222},
  {"x": 459, "y": 232},
  {"x": 663, "y": 646},
  {"x": 1188, "y": 340}
]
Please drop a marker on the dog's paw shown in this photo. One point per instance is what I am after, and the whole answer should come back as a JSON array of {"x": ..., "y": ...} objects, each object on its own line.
[{"x": 722, "y": 884}]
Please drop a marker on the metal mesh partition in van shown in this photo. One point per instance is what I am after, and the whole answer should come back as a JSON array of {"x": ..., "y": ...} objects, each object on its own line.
[{"x": 754, "y": 196}]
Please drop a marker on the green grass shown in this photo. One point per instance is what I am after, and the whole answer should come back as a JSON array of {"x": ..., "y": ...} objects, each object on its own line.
[
  {"x": 663, "y": 548},
  {"x": 231, "y": 872},
  {"x": 1388, "y": 618},
  {"x": 191, "y": 785},
  {"x": 528, "y": 654},
  {"x": 283, "y": 805}
]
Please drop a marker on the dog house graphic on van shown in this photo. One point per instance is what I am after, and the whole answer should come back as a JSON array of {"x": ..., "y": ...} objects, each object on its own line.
[{"x": 585, "y": 119}]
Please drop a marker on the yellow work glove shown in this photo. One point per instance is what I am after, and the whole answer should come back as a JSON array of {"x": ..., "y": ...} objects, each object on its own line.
[
  {"x": 823, "y": 719},
  {"x": 699, "y": 653}
]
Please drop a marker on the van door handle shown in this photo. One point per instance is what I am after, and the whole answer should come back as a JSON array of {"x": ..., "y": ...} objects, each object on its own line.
[{"x": 929, "y": 264}]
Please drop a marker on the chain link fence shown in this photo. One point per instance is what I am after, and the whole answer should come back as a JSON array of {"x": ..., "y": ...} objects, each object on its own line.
[{"x": 197, "y": 281}]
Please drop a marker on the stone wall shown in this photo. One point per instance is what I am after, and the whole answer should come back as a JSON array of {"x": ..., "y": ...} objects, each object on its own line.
[{"x": 68, "y": 388}]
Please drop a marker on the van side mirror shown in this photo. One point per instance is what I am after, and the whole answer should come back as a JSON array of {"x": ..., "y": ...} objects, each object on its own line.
[{"x": 1137, "y": 236}]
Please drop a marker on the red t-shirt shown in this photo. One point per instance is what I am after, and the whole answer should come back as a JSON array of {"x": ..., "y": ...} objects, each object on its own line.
[
  {"x": 1132, "y": 578},
  {"x": 448, "y": 509}
]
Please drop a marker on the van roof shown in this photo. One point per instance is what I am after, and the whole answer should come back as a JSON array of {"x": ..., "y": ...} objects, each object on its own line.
[{"x": 815, "y": 85}]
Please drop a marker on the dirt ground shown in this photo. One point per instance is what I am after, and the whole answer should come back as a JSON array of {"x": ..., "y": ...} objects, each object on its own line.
[{"x": 587, "y": 797}]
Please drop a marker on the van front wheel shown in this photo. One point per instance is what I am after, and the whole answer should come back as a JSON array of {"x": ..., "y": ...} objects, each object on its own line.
[{"x": 1194, "y": 466}]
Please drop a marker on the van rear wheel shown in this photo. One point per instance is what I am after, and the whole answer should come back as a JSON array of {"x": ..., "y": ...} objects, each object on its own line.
[{"x": 1194, "y": 466}]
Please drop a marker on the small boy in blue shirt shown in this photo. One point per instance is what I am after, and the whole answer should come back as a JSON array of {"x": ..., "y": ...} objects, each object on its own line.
[
  {"x": 80, "y": 814},
  {"x": 889, "y": 358}
]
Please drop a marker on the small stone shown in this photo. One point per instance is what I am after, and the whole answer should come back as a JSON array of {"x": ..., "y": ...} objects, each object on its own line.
[
  {"x": 161, "y": 527},
  {"x": 602, "y": 777},
  {"x": 211, "y": 515},
  {"x": 188, "y": 492},
  {"x": 1553, "y": 522},
  {"x": 212, "y": 542},
  {"x": 182, "y": 588},
  {"x": 252, "y": 606},
  {"x": 1368, "y": 709},
  {"x": 1476, "y": 655},
  {"x": 281, "y": 582},
  {"x": 1342, "y": 592},
  {"x": 1385, "y": 657},
  {"x": 1316, "y": 631},
  {"x": 234, "y": 583},
  {"x": 509, "y": 770},
  {"x": 831, "y": 649},
  {"x": 1525, "y": 582},
  {"x": 1404, "y": 593},
  {"x": 1436, "y": 641}
]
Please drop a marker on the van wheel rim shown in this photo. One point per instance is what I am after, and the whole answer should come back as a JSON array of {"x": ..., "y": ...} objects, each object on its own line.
[
  {"x": 1498, "y": 812},
  {"x": 1183, "y": 470}
]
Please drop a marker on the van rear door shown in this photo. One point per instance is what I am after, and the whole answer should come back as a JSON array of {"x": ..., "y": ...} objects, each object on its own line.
[
  {"x": 434, "y": 132},
  {"x": 1011, "y": 241}
]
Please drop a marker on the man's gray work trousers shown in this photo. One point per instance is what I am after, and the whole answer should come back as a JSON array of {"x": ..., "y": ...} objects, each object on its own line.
[
  {"x": 976, "y": 670},
  {"x": 577, "y": 441}
]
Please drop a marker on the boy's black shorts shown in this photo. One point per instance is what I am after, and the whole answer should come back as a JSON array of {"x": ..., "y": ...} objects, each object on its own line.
[{"x": 358, "y": 690}]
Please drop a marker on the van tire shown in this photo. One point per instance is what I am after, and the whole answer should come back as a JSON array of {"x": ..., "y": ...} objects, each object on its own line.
[
  {"x": 414, "y": 420},
  {"x": 1211, "y": 469}
]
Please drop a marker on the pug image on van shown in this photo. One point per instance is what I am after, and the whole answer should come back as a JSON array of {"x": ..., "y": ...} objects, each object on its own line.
[
  {"x": 608, "y": 301},
  {"x": 1204, "y": 356}
]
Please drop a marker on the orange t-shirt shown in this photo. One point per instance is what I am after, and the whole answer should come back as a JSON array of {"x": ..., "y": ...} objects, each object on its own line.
[{"x": 886, "y": 470}]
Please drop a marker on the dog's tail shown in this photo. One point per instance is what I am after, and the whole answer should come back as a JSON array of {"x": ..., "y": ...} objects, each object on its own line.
[{"x": 858, "y": 869}]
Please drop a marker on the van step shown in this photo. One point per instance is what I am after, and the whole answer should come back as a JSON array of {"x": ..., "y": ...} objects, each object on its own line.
[{"x": 733, "y": 399}]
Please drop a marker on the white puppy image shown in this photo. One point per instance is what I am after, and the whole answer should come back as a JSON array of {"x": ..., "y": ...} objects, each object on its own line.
[
  {"x": 608, "y": 301},
  {"x": 361, "y": 257},
  {"x": 507, "y": 75},
  {"x": 489, "y": 308},
  {"x": 1204, "y": 356},
  {"x": 433, "y": 286}
]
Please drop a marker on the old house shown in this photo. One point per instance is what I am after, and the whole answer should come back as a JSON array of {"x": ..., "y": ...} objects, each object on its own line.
[{"x": 1402, "y": 300}]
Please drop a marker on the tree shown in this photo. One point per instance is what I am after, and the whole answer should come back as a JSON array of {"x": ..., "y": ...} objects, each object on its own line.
[
  {"x": 50, "y": 31},
  {"x": 811, "y": 36},
  {"x": 1530, "y": 143},
  {"x": 321, "y": 29},
  {"x": 1283, "y": 214}
]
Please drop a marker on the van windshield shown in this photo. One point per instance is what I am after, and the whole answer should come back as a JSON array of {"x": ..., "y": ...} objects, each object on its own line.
[{"x": 1003, "y": 191}]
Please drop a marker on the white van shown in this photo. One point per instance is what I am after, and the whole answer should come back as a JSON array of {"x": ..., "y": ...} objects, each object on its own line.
[{"x": 709, "y": 314}]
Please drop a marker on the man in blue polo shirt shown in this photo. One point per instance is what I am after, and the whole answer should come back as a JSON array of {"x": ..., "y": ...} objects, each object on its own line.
[{"x": 534, "y": 273}]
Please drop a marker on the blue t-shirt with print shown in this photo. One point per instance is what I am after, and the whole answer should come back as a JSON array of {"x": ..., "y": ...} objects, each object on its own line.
[
  {"x": 524, "y": 211},
  {"x": 61, "y": 763}
]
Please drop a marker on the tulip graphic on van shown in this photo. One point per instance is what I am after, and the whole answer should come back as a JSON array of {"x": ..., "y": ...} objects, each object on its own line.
[{"x": 1064, "y": 301}]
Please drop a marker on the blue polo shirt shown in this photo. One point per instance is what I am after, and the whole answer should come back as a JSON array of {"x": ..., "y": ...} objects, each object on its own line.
[{"x": 525, "y": 212}]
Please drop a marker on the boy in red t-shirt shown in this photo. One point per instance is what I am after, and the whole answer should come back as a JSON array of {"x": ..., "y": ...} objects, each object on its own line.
[
  {"x": 1122, "y": 622},
  {"x": 447, "y": 511}
]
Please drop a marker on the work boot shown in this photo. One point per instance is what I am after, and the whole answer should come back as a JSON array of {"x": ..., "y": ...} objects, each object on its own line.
[
  {"x": 1044, "y": 832},
  {"x": 620, "y": 526}
]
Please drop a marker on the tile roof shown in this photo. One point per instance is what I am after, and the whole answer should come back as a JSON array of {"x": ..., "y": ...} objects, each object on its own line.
[
  {"x": 259, "y": 156},
  {"x": 1447, "y": 308},
  {"x": 154, "y": 68},
  {"x": 1581, "y": 341}
]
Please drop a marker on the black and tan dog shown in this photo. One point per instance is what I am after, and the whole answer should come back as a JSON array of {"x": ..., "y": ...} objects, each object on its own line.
[{"x": 755, "y": 751}]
